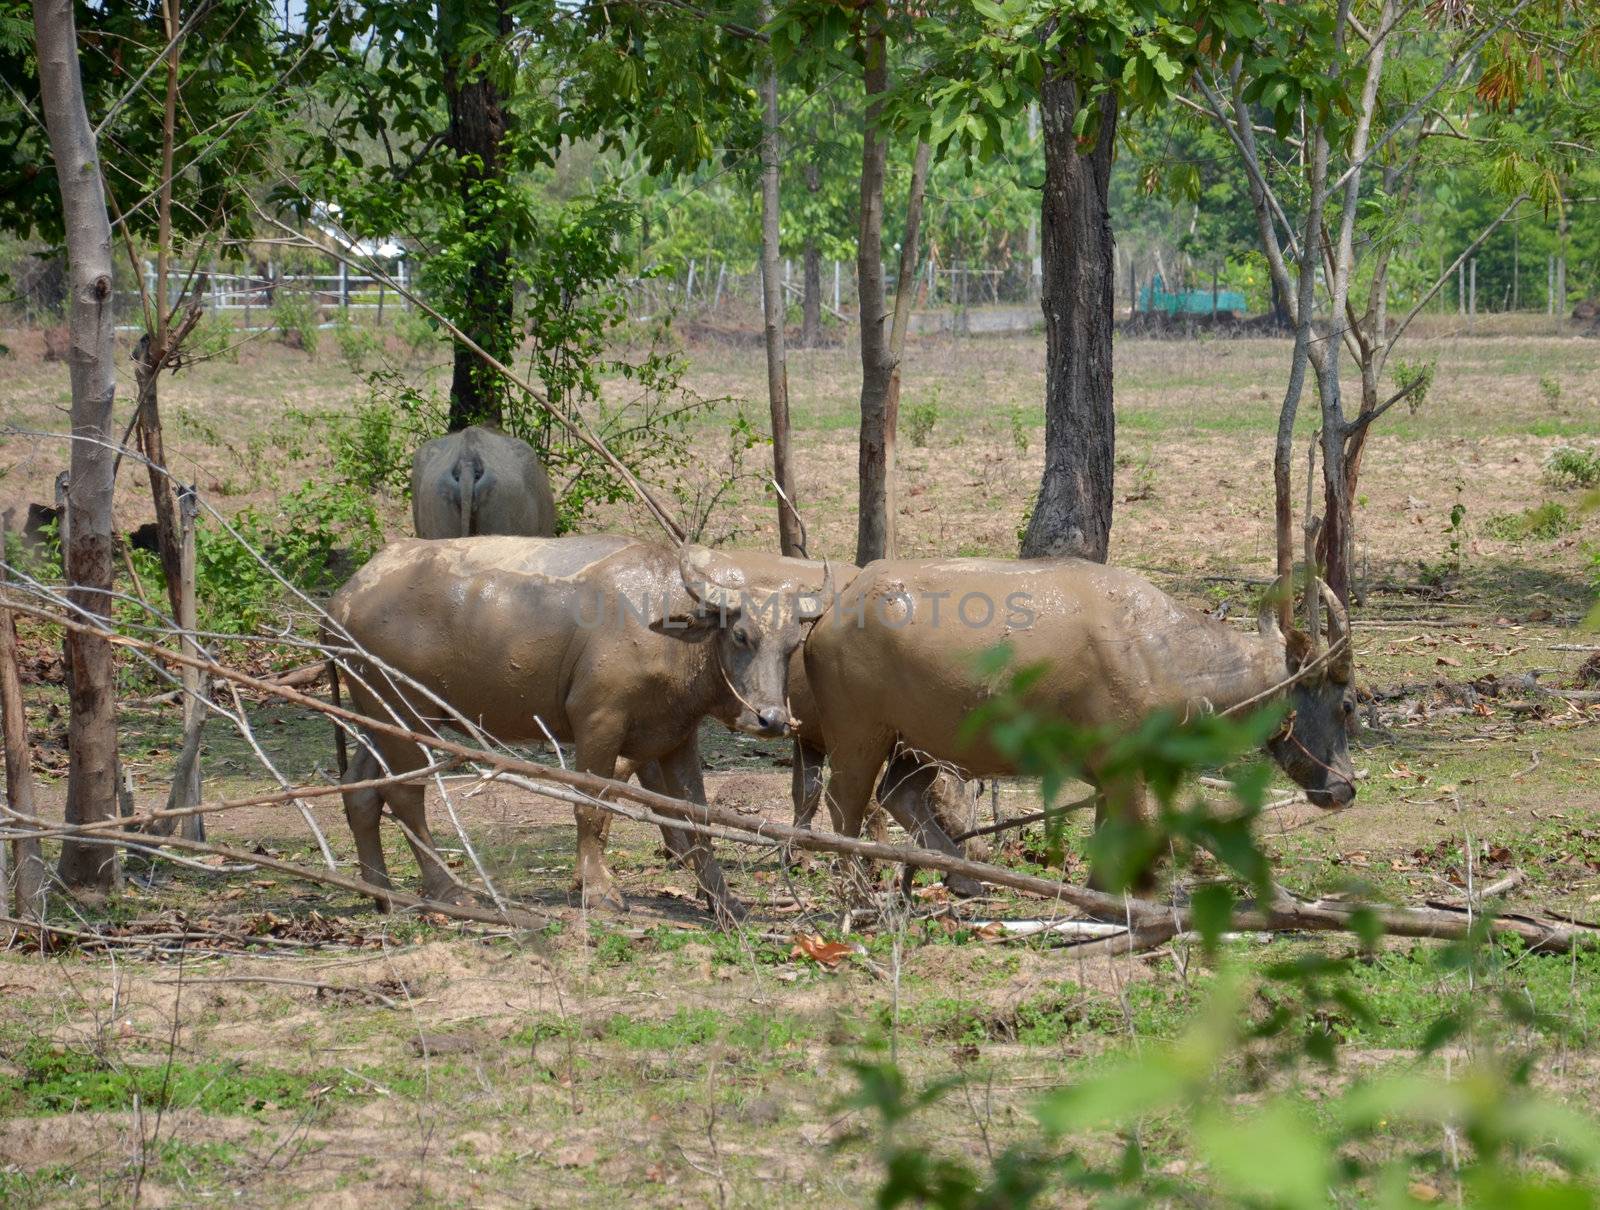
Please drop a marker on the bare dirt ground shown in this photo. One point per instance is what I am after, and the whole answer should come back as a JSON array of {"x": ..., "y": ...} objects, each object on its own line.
[{"x": 256, "y": 1039}]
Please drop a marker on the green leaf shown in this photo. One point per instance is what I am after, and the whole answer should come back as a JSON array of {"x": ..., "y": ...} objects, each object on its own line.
[
  {"x": 1211, "y": 911},
  {"x": 1274, "y": 1154}
]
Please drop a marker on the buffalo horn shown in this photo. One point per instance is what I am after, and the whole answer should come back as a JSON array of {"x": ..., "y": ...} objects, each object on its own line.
[
  {"x": 1338, "y": 619},
  {"x": 809, "y": 606},
  {"x": 694, "y": 562},
  {"x": 1267, "y": 617}
]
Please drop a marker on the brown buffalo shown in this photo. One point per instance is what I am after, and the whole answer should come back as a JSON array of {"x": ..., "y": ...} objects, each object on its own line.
[
  {"x": 619, "y": 646},
  {"x": 894, "y": 665}
]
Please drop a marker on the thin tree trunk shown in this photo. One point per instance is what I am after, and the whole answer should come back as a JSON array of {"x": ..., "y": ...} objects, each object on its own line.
[
  {"x": 475, "y": 134},
  {"x": 153, "y": 352},
  {"x": 811, "y": 299},
  {"x": 1072, "y": 515},
  {"x": 26, "y": 877},
  {"x": 773, "y": 307},
  {"x": 875, "y": 517},
  {"x": 92, "y": 729}
]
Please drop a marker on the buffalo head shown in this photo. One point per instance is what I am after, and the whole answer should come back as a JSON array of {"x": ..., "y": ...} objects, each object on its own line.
[
  {"x": 1312, "y": 747},
  {"x": 754, "y": 630}
]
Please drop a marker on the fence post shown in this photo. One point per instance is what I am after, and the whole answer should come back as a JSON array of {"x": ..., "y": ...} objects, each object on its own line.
[
  {"x": 344, "y": 287},
  {"x": 722, "y": 274},
  {"x": 835, "y": 285},
  {"x": 1472, "y": 313},
  {"x": 1461, "y": 288}
]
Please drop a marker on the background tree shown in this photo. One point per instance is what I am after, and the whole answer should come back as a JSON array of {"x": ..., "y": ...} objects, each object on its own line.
[
  {"x": 92, "y": 728},
  {"x": 1344, "y": 202}
]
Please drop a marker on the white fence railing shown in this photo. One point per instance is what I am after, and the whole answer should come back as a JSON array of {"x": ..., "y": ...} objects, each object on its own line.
[{"x": 251, "y": 297}]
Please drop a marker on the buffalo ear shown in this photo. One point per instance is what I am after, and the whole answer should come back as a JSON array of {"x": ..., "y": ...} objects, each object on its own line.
[
  {"x": 1297, "y": 648},
  {"x": 696, "y": 626}
]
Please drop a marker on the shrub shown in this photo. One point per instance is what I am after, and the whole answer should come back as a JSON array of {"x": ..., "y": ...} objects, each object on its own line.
[
  {"x": 1550, "y": 388},
  {"x": 1422, "y": 372},
  {"x": 295, "y": 318},
  {"x": 1020, "y": 431},
  {"x": 212, "y": 339},
  {"x": 1568, "y": 466},
  {"x": 357, "y": 343},
  {"x": 416, "y": 331},
  {"x": 1543, "y": 522},
  {"x": 373, "y": 449},
  {"x": 920, "y": 419}
]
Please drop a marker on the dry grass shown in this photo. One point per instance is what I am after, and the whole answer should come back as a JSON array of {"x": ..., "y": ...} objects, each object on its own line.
[{"x": 648, "y": 1058}]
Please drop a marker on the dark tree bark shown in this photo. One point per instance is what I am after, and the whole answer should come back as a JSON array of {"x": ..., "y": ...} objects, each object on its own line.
[
  {"x": 811, "y": 299},
  {"x": 92, "y": 729},
  {"x": 475, "y": 134},
  {"x": 1073, "y": 513},
  {"x": 774, "y": 307},
  {"x": 27, "y": 873},
  {"x": 882, "y": 345}
]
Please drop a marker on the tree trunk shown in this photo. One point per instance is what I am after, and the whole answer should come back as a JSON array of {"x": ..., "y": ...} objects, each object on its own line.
[
  {"x": 92, "y": 729},
  {"x": 881, "y": 351},
  {"x": 1072, "y": 515},
  {"x": 476, "y": 130},
  {"x": 811, "y": 299},
  {"x": 26, "y": 877},
  {"x": 875, "y": 517},
  {"x": 773, "y": 307}
]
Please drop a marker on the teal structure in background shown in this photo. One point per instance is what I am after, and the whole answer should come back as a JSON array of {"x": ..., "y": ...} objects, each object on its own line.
[{"x": 1156, "y": 297}]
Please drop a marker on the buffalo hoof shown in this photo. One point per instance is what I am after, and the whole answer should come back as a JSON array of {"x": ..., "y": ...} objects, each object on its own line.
[
  {"x": 450, "y": 893},
  {"x": 602, "y": 897},
  {"x": 729, "y": 911},
  {"x": 963, "y": 887}
]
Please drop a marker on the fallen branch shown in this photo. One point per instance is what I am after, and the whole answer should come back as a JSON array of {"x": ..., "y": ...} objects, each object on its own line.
[{"x": 1150, "y": 923}]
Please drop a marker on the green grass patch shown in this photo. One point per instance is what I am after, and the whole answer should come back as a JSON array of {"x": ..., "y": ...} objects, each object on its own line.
[
  {"x": 47, "y": 1078},
  {"x": 1541, "y": 523}
]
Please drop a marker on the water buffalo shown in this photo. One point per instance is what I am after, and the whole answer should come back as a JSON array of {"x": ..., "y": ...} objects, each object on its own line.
[
  {"x": 895, "y": 662},
  {"x": 480, "y": 481},
  {"x": 616, "y": 645}
]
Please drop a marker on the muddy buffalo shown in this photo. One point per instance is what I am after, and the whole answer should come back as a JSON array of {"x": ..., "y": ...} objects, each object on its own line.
[
  {"x": 618, "y": 646},
  {"x": 895, "y": 669}
]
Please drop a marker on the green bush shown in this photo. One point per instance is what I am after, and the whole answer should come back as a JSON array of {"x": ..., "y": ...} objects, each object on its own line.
[
  {"x": 357, "y": 343},
  {"x": 1543, "y": 522},
  {"x": 317, "y": 532},
  {"x": 1021, "y": 433},
  {"x": 417, "y": 332},
  {"x": 920, "y": 419},
  {"x": 1568, "y": 466},
  {"x": 213, "y": 339},
  {"x": 373, "y": 449},
  {"x": 295, "y": 318}
]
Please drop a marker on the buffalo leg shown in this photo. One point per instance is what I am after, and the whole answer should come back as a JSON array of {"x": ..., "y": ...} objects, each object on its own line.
[
  {"x": 597, "y": 754},
  {"x": 678, "y": 775},
  {"x": 1126, "y": 802},
  {"x": 905, "y": 792},
  {"x": 406, "y": 801},
  {"x": 850, "y": 775},
  {"x": 807, "y": 782},
  {"x": 363, "y": 810}
]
